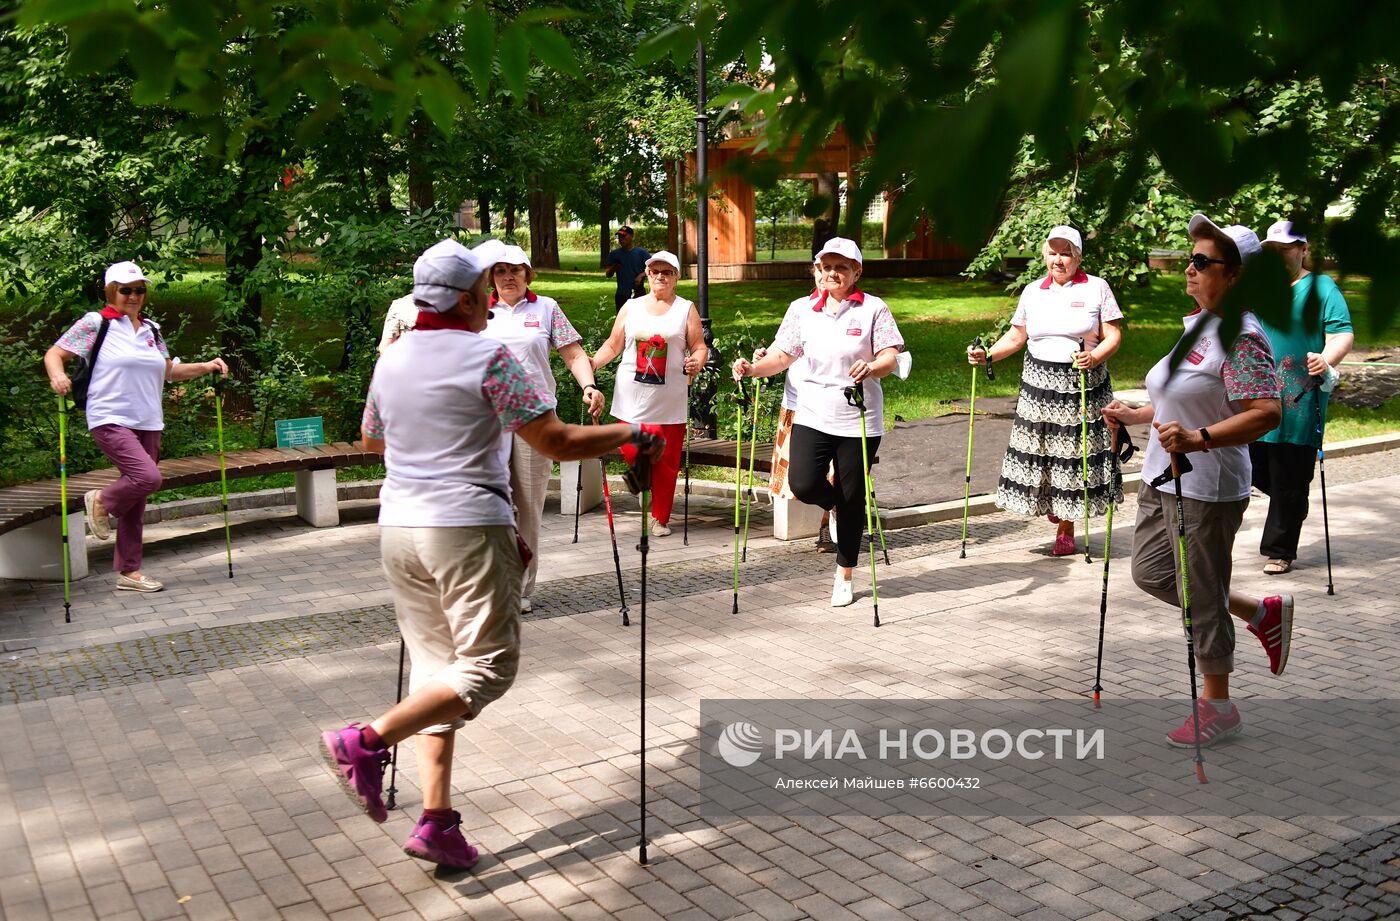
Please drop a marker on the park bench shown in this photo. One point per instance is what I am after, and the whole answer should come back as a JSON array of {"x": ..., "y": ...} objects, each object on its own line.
[{"x": 30, "y": 530}]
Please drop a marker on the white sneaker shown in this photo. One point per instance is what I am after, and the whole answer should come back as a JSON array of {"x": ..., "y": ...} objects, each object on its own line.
[
  {"x": 525, "y": 606},
  {"x": 659, "y": 530},
  {"x": 842, "y": 592}
]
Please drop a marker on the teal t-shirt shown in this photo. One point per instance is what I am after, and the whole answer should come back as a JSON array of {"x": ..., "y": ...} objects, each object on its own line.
[{"x": 1299, "y": 425}]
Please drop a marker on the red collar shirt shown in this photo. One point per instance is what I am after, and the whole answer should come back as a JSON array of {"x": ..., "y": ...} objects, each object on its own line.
[
  {"x": 1057, "y": 317},
  {"x": 831, "y": 337}
]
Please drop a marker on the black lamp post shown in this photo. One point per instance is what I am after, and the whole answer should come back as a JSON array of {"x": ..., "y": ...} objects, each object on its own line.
[{"x": 704, "y": 410}]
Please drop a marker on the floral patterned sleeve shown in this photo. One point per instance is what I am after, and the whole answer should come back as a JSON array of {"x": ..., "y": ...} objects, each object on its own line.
[
  {"x": 81, "y": 335},
  {"x": 885, "y": 332},
  {"x": 510, "y": 392},
  {"x": 160, "y": 341},
  {"x": 1249, "y": 371},
  {"x": 372, "y": 423},
  {"x": 561, "y": 331},
  {"x": 1108, "y": 307},
  {"x": 789, "y": 337}
]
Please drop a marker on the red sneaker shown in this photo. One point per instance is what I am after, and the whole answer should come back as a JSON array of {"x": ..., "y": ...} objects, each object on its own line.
[
  {"x": 1214, "y": 727},
  {"x": 1275, "y": 631},
  {"x": 1064, "y": 545},
  {"x": 360, "y": 770}
]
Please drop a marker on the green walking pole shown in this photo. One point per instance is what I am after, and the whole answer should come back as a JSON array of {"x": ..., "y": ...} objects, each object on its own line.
[
  {"x": 63, "y": 505},
  {"x": 223, "y": 471},
  {"x": 1117, "y": 461},
  {"x": 879, "y": 528},
  {"x": 856, "y": 397},
  {"x": 1084, "y": 448},
  {"x": 971, "y": 417},
  {"x": 753, "y": 450},
  {"x": 740, "y": 399}
]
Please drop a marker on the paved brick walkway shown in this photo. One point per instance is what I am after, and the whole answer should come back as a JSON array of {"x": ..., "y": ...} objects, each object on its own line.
[{"x": 158, "y": 756}]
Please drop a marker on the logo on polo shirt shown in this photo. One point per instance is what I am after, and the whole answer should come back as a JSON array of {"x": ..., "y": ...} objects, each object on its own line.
[
  {"x": 1077, "y": 304},
  {"x": 532, "y": 321},
  {"x": 853, "y": 330}
]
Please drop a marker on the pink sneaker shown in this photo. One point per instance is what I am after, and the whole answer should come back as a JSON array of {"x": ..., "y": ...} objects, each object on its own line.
[
  {"x": 441, "y": 843},
  {"x": 1275, "y": 631},
  {"x": 360, "y": 770},
  {"x": 1214, "y": 727},
  {"x": 1064, "y": 545}
]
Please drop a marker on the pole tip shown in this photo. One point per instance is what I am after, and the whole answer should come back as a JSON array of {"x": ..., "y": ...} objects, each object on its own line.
[
  {"x": 1201, "y": 773},
  {"x": 625, "y": 621},
  {"x": 1097, "y": 703},
  {"x": 962, "y": 554}
]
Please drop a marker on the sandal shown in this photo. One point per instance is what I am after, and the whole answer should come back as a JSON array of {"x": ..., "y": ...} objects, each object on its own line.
[{"x": 1277, "y": 567}]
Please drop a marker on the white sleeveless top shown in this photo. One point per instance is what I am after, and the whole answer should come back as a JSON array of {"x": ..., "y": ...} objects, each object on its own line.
[{"x": 651, "y": 385}]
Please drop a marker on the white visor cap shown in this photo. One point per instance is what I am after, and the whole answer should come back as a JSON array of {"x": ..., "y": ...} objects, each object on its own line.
[
  {"x": 1244, "y": 240},
  {"x": 840, "y": 246}
]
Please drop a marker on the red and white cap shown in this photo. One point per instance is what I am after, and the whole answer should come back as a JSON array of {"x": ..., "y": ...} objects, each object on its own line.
[
  {"x": 123, "y": 273},
  {"x": 840, "y": 246},
  {"x": 1282, "y": 232},
  {"x": 1244, "y": 240},
  {"x": 668, "y": 258},
  {"x": 1066, "y": 233}
]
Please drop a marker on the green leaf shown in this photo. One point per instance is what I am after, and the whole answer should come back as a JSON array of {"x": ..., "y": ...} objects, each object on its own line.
[
  {"x": 553, "y": 50},
  {"x": 546, "y": 14},
  {"x": 669, "y": 41},
  {"x": 479, "y": 47},
  {"x": 515, "y": 61},
  {"x": 440, "y": 98}
]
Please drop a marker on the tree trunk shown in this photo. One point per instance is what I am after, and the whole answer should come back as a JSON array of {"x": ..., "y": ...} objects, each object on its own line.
[
  {"x": 544, "y": 228},
  {"x": 250, "y": 209},
  {"x": 483, "y": 213},
  {"x": 511, "y": 208},
  {"x": 420, "y": 171},
  {"x": 383, "y": 203},
  {"x": 604, "y": 223},
  {"x": 828, "y": 184}
]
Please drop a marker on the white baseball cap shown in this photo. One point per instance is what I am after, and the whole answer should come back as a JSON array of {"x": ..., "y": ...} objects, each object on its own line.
[
  {"x": 443, "y": 272},
  {"x": 666, "y": 257},
  {"x": 1067, "y": 233},
  {"x": 513, "y": 255},
  {"x": 840, "y": 246},
  {"x": 488, "y": 252},
  {"x": 1282, "y": 232},
  {"x": 1244, "y": 240},
  {"x": 123, "y": 273}
]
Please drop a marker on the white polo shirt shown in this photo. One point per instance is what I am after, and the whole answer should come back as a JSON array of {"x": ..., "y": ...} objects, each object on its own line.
[
  {"x": 441, "y": 399},
  {"x": 1205, "y": 389},
  {"x": 532, "y": 328},
  {"x": 798, "y": 368},
  {"x": 128, "y": 379},
  {"x": 831, "y": 337},
  {"x": 1056, "y": 317}
]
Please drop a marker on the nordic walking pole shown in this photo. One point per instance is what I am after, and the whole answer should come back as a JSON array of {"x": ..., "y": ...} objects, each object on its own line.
[
  {"x": 967, "y": 475},
  {"x": 1316, "y": 385},
  {"x": 1181, "y": 465},
  {"x": 643, "y": 468},
  {"x": 685, "y": 520},
  {"x": 1107, "y": 547},
  {"x": 856, "y": 397},
  {"x": 63, "y": 505},
  {"x": 578, "y": 499},
  {"x": 394, "y": 755},
  {"x": 1084, "y": 448},
  {"x": 879, "y": 528},
  {"x": 223, "y": 470},
  {"x": 612, "y": 532},
  {"x": 738, "y": 467},
  {"x": 753, "y": 450}
]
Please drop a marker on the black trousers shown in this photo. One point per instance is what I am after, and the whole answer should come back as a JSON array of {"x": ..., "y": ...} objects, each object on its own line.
[
  {"x": 1283, "y": 472},
  {"x": 811, "y": 452}
]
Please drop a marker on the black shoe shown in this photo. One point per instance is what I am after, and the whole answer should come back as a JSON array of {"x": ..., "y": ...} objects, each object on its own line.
[{"x": 824, "y": 542}]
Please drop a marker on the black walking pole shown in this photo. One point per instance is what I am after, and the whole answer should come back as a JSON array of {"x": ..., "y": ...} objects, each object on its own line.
[
  {"x": 685, "y": 520},
  {"x": 394, "y": 755},
  {"x": 612, "y": 533},
  {"x": 578, "y": 499},
  {"x": 1117, "y": 460},
  {"x": 1181, "y": 465},
  {"x": 741, "y": 399},
  {"x": 1316, "y": 386},
  {"x": 63, "y": 504}
]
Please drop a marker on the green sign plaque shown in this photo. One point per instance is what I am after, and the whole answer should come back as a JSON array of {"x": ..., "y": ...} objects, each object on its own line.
[{"x": 293, "y": 433}]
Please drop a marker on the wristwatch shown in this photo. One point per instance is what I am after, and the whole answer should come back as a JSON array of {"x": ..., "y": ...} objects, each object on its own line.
[
  {"x": 588, "y": 387},
  {"x": 1205, "y": 437}
]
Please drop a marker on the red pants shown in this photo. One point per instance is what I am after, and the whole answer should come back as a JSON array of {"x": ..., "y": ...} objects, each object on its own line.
[{"x": 664, "y": 471}]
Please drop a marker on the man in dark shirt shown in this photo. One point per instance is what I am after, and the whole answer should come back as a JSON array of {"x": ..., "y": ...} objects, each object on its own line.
[{"x": 629, "y": 263}]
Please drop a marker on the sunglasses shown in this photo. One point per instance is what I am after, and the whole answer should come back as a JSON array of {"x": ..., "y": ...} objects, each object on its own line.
[
  {"x": 1201, "y": 261},
  {"x": 662, "y": 273},
  {"x": 129, "y": 292}
]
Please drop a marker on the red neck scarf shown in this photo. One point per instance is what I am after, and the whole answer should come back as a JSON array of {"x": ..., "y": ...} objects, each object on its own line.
[{"x": 431, "y": 319}]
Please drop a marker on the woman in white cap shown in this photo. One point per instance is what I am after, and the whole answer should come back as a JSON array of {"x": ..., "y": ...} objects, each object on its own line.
[
  {"x": 663, "y": 347},
  {"x": 440, "y": 400},
  {"x": 848, "y": 339},
  {"x": 130, "y": 364},
  {"x": 531, "y": 326},
  {"x": 1069, "y": 321},
  {"x": 1222, "y": 396},
  {"x": 1307, "y": 356}
]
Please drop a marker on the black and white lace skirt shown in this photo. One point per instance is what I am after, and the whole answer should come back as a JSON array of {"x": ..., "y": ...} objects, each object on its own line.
[{"x": 1043, "y": 470}]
